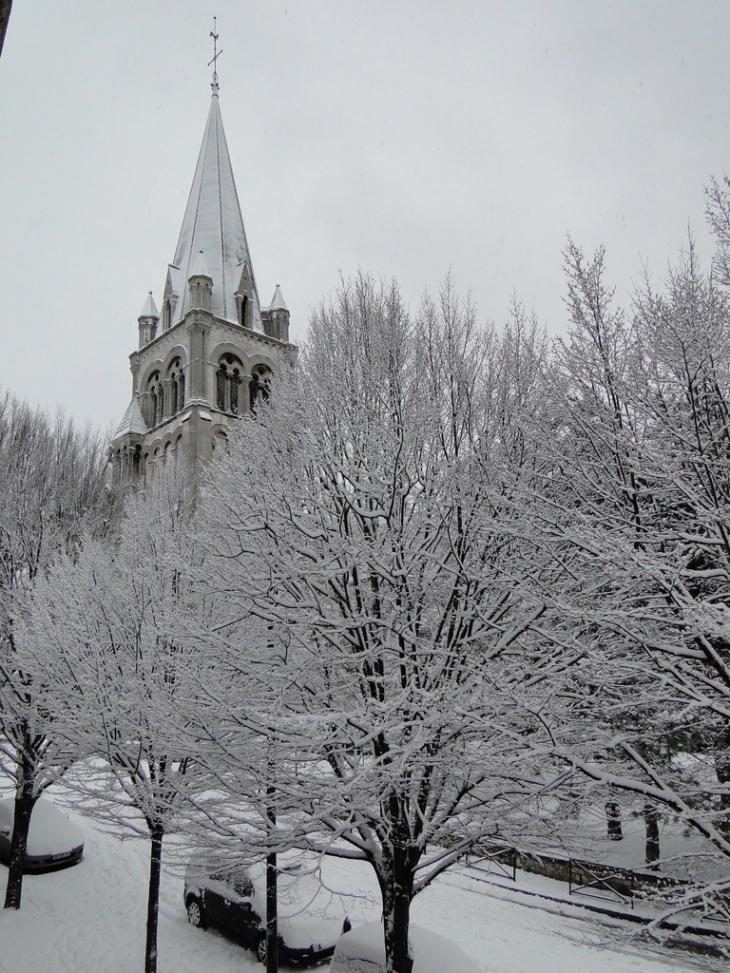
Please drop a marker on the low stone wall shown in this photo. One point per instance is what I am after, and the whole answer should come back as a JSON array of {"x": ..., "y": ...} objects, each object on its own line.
[{"x": 576, "y": 872}]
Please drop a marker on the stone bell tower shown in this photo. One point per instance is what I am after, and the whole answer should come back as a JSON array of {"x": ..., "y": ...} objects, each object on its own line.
[{"x": 206, "y": 360}]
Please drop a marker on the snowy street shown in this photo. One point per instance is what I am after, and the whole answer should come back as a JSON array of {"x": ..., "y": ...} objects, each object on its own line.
[{"x": 90, "y": 918}]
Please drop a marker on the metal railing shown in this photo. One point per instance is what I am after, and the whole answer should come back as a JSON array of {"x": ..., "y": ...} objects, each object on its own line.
[
  {"x": 502, "y": 861},
  {"x": 582, "y": 881}
]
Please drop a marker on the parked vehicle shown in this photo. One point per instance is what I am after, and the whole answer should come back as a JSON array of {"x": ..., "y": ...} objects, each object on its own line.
[
  {"x": 53, "y": 841},
  {"x": 234, "y": 899},
  {"x": 363, "y": 951}
]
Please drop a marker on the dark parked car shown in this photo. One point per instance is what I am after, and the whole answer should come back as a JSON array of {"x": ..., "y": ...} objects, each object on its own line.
[
  {"x": 53, "y": 841},
  {"x": 234, "y": 899}
]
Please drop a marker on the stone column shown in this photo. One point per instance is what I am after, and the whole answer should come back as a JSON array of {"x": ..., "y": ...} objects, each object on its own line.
[
  {"x": 134, "y": 369},
  {"x": 199, "y": 330}
]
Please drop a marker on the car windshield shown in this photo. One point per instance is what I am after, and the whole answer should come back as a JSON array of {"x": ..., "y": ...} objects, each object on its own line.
[
  {"x": 242, "y": 885},
  {"x": 236, "y": 879}
]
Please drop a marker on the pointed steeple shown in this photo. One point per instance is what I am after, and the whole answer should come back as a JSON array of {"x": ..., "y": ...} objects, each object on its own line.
[
  {"x": 150, "y": 310},
  {"x": 200, "y": 267},
  {"x": 277, "y": 301},
  {"x": 276, "y": 317},
  {"x": 213, "y": 224},
  {"x": 200, "y": 284},
  {"x": 147, "y": 321}
]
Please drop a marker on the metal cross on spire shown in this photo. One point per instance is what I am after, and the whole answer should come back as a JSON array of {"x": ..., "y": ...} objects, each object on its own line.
[{"x": 216, "y": 54}]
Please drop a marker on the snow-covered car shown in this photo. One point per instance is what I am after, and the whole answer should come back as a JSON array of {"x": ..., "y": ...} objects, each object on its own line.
[
  {"x": 234, "y": 899},
  {"x": 362, "y": 950},
  {"x": 53, "y": 841}
]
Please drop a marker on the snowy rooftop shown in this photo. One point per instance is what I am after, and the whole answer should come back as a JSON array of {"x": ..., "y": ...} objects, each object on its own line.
[
  {"x": 150, "y": 309},
  {"x": 277, "y": 301},
  {"x": 132, "y": 421}
]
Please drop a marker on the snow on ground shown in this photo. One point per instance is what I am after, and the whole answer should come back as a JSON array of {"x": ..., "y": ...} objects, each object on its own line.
[
  {"x": 91, "y": 919},
  {"x": 684, "y": 852}
]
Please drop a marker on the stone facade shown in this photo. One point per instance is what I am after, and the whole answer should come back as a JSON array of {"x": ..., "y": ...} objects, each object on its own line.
[{"x": 202, "y": 365}]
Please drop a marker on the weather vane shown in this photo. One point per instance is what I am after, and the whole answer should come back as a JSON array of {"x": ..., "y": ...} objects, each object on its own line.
[{"x": 216, "y": 52}]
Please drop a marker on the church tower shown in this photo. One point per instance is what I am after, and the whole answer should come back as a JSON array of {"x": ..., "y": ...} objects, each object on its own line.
[{"x": 205, "y": 361}]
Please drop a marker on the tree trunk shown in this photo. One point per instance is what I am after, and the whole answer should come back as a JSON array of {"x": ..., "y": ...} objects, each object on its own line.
[
  {"x": 651, "y": 822},
  {"x": 24, "y": 802},
  {"x": 397, "y": 892},
  {"x": 722, "y": 768},
  {"x": 157, "y": 832},
  {"x": 613, "y": 820},
  {"x": 272, "y": 907}
]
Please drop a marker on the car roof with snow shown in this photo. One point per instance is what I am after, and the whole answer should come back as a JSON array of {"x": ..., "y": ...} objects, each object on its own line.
[
  {"x": 50, "y": 832},
  {"x": 362, "y": 950}
]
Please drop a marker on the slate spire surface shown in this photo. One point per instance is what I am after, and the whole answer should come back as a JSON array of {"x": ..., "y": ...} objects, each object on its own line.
[{"x": 213, "y": 224}]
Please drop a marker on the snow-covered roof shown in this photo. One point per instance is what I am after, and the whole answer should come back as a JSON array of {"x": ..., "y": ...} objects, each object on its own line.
[
  {"x": 200, "y": 266},
  {"x": 213, "y": 224},
  {"x": 149, "y": 310},
  {"x": 132, "y": 421},
  {"x": 277, "y": 301}
]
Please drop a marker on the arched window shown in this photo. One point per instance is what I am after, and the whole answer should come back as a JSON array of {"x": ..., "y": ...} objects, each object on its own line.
[
  {"x": 176, "y": 386},
  {"x": 153, "y": 407},
  {"x": 244, "y": 298},
  {"x": 228, "y": 384},
  {"x": 235, "y": 382},
  {"x": 220, "y": 388},
  {"x": 259, "y": 386}
]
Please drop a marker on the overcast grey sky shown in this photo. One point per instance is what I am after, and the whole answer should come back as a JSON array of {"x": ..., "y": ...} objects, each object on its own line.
[{"x": 405, "y": 138}]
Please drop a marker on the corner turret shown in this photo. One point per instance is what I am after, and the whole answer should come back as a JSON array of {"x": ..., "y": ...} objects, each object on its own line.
[
  {"x": 276, "y": 317},
  {"x": 148, "y": 319},
  {"x": 200, "y": 284}
]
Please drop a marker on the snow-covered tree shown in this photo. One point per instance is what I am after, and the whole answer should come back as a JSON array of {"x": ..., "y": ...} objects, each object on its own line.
[
  {"x": 51, "y": 492},
  {"x": 636, "y": 506},
  {"x": 115, "y": 625},
  {"x": 367, "y": 518}
]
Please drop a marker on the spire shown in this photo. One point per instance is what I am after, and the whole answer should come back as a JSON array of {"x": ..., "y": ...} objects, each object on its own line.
[
  {"x": 200, "y": 284},
  {"x": 149, "y": 310},
  {"x": 147, "y": 321},
  {"x": 200, "y": 267},
  {"x": 213, "y": 224},
  {"x": 277, "y": 301}
]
